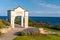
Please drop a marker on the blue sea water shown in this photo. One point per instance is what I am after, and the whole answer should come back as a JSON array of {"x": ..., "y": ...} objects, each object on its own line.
[{"x": 51, "y": 20}]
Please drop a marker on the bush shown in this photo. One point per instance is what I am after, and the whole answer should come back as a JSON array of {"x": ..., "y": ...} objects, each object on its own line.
[
  {"x": 1, "y": 24},
  {"x": 57, "y": 27},
  {"x": 34, "y": 33},
  {"x": 18, "y": 22},
  {"x": 28, "y": 33},
  {"x": 6, "y": 23},
  {"x": 23, "y": 33}
]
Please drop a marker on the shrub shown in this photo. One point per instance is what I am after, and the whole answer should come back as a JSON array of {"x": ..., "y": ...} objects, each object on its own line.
[
  {"x": 1, "y": 24},
  {"x": 32, "y": 23},
  {"x": 28, "y": 33},
  {"x": 6, "y": 23},
  {"x": 56, "y": 27},
  {"x": 18, "y": 22},
  {"x": 23, "y": 33}
]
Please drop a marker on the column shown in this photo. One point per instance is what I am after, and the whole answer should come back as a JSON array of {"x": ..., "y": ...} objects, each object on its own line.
[
  {"x": 26, "y": 19},
  {"x": 22, "y": 21},
  {"x": 12, "y": 21},
  {"x": 12, "y": 18}
]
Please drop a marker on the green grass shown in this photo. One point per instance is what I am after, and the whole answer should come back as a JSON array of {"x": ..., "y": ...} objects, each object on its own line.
[
  {"x": 46, "y": 37},
  {"x": 53, "y": 30}
]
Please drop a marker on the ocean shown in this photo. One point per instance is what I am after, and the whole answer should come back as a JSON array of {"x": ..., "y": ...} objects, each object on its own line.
[{"x": 50, "y": 20}]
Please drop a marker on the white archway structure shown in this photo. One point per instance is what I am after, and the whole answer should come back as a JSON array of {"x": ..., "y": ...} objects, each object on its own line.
[{"x": 19, "y": 11}]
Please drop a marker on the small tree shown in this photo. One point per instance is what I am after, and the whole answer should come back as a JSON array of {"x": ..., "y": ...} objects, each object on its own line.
[
  {"x": 31, "y": 23},
  {"x": 47, "y": 25}
]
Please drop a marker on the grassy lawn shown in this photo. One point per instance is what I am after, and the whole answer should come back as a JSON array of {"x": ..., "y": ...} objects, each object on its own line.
[{"x": 46, "y": 37}]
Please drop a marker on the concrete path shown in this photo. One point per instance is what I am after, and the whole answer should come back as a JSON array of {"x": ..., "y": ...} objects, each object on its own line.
[{"x": 11, "y": 34}]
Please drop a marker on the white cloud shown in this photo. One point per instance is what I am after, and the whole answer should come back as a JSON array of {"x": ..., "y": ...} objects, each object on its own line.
[
  {"x": 49, "y": 5},
  {"x": 45, "y": 4}
]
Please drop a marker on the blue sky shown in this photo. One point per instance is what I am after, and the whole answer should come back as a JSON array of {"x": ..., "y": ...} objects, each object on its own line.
[{"x": 45, "y": 8}]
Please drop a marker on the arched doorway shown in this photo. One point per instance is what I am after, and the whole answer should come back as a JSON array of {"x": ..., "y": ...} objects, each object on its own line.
[
  {"x": 19, "y": 11},
  {"x": 18, "y": 21}
]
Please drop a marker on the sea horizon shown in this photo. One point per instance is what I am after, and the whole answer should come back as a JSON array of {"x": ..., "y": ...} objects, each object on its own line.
[{"x": 50, "y": 20}]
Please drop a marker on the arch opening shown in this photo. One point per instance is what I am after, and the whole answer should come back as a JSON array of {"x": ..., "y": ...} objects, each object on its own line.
[{"x": 17, "y": 21}]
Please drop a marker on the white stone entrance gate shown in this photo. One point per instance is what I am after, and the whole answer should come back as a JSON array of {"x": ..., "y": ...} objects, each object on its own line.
[{"x": 19, "y": 11}]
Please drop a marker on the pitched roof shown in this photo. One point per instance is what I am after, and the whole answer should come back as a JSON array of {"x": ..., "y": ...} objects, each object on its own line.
[{"x": 17, "y": 7}]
